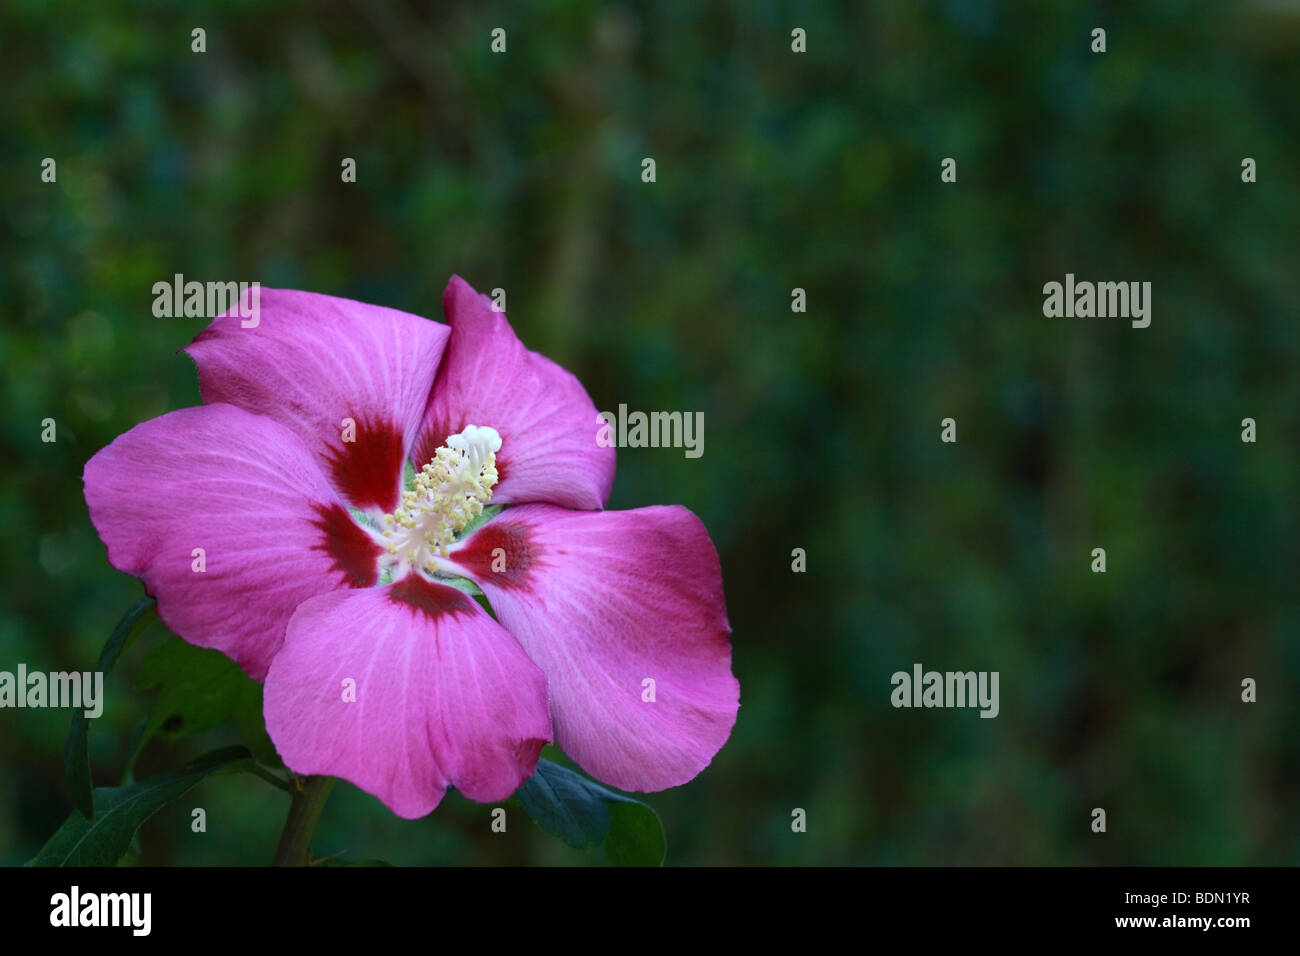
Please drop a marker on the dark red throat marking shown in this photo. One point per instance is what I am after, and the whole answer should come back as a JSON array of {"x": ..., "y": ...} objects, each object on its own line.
[
  {"x": 369, "y": 470},
  {"x": 516, "y": 543},
  {"x": 354, "y": 552},
  {"x": 432, "y": 600}
]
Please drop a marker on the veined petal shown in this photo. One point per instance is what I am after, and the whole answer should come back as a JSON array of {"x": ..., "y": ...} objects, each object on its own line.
[
  {"x": 547, "y": 422},
  {"x": 244, "y": 490},
  {"x": 316, "y": 363},
  {"x": 404, "y": 690},
  {"x": 606, "y": 602}
]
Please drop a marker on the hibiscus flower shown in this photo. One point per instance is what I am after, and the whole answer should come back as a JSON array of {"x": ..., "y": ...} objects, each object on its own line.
[{"x": 336, "y": 479}]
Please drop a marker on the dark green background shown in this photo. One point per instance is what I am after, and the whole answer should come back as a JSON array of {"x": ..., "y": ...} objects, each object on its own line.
[{"x": 775, "y": 170}]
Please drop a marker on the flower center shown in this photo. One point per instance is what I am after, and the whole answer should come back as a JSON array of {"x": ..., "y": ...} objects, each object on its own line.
[{"x": 448, "y": 493}]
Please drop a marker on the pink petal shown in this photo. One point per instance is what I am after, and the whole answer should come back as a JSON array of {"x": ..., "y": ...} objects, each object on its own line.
[
  {"x": 313, "y": 361},
  {"x": 603, "y": 601},
  {"x": 443, "y": 696},
  {"x": 245, "y": 490},
  {"x": 547, "y": 422}
]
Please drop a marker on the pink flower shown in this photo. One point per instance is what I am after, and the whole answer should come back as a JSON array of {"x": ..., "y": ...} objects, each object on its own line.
[{"x": 326, "y": 580}]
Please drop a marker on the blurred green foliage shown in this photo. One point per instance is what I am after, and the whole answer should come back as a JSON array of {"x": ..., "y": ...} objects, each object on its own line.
[{"x": 775, "y": 170}]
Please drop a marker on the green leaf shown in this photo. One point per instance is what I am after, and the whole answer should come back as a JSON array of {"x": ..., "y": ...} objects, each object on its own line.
[
  {"x": 479, "y": 520},
  {"x": 364, "y": 519},
  {"x": 463, "y": 584},
  {"x": 199, "y": 689},
  {"x": 133, "y": 748},
  {"x": 584, "y": 814},
  {"x": 76, "y": 750},
  {"x": 120, "y": 811},
  {"x": 565, "y": 805},
  {"x": 636, "y": 835}
]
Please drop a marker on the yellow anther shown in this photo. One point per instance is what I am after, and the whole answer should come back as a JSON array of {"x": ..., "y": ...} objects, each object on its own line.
[{"x": 447, "y": 493}]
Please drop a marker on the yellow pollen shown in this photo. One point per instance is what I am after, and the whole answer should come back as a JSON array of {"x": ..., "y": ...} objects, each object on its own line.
[{"x": 448, "y": 493}]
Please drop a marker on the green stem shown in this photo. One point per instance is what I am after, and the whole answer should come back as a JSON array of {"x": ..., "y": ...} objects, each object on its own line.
[
  {"x": 259, "y": 771},
  {"x": 309, "y": 796}
]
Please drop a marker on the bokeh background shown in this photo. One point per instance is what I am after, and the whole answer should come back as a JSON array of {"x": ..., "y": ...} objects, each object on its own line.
[{"x": 774, "y": 170}]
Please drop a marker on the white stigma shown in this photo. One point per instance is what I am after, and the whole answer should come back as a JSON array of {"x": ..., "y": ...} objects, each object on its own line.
[{"x": 448, "y": 493}]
